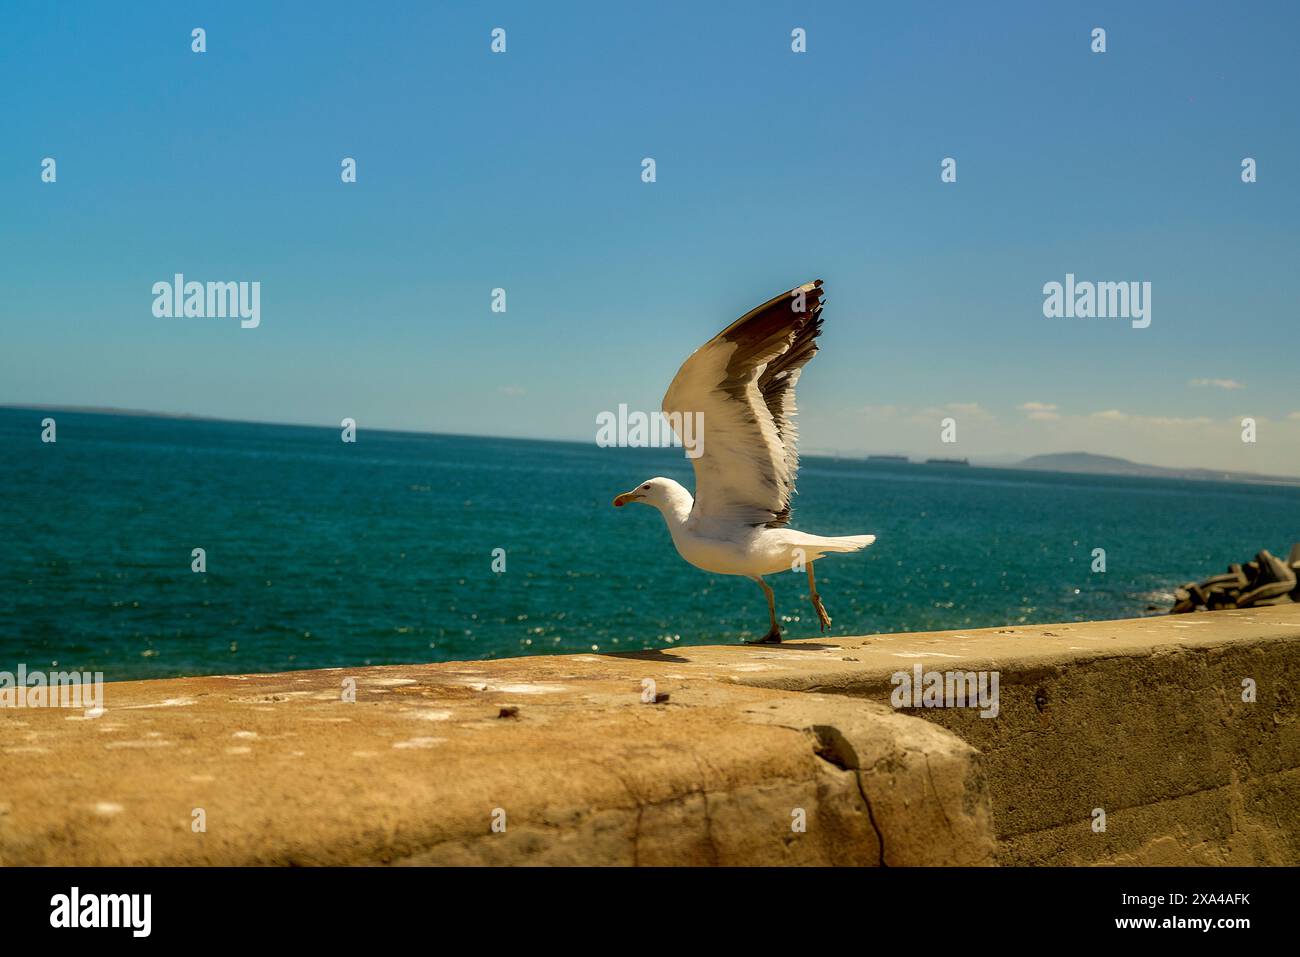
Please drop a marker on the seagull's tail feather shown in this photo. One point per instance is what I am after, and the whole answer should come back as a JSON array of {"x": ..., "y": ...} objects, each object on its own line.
[
  {"x": 815, "y": 546},
  {"x": 846, "y": 543}
]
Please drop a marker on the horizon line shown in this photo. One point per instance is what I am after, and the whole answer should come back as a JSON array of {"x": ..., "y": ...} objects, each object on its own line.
[{"x": 1245, "y": 478}]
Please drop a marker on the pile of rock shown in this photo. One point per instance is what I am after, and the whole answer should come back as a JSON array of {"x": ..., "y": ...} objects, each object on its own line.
[{"x": 1267, "y": 580}]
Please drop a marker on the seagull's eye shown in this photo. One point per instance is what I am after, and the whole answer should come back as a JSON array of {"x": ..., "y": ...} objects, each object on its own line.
[{"x": 645, "y": 487}]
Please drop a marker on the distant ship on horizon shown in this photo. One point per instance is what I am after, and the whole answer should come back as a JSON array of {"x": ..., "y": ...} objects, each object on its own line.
[{"x": 947, "y": 461}]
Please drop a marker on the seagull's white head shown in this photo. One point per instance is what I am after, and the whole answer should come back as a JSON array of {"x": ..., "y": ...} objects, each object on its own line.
[{"x": 657, "y": 491}]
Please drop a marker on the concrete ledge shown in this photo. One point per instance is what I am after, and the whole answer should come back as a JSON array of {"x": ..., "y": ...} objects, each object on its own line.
[
  {"x": 415, "y": 769},
  {"x": 1142, "y": 718}
]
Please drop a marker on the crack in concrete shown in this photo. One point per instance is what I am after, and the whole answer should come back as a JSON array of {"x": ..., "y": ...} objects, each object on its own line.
[
  {"x": 929, "y": 774},
  {"x": 700, "y": 763},
  {"x": 871, "y": 816},
  {"x": 636, "y": 836},
  {"x": 826, "y": 749}
]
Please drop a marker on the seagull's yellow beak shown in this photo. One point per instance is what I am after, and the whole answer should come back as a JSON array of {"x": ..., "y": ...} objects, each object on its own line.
[{"x": 621, "y": 500}]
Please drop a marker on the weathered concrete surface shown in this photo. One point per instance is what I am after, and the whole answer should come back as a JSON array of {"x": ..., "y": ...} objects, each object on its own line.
[
  {"x": 415, "y": 769},
  {"x": 1142, "y": 718}
]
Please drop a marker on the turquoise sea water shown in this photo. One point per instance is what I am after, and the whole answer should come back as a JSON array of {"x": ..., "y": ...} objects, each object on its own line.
[{"x": 323, "y": 554}]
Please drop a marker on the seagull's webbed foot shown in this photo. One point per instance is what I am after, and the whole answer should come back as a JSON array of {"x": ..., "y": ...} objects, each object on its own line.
[
  {"x": 773, "y": 636},
  {"x": 823, "y": 618}
]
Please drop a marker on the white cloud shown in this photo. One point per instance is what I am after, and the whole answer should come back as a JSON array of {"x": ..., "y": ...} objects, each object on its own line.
[
  {"x": 1174, "y": 421},
  {"x": 1162, "y": 421},
  {"x": 1040, "y": 411},
  {"x": 880, "y": 411},
  {"x": 972, "y": 410},
  {"x": 968, "y": 410},
  {"x": 1216, "y": 383}
]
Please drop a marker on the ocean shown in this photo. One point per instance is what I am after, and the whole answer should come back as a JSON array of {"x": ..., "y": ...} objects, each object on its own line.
[{"x": 326, "y": 554}]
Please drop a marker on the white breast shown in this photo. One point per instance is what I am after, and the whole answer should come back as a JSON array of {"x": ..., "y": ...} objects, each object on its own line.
[{"x": 756, "y": 552}]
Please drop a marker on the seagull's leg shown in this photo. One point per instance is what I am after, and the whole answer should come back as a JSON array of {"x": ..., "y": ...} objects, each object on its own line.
[
  {"x": 822, "y": 617},
  {"x": 773, "y": 637}
]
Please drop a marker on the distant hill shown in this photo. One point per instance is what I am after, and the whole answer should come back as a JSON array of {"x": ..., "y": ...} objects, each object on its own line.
[
  {"x": 1088, "y": 464},
  {"x": 110, "y": 410}
]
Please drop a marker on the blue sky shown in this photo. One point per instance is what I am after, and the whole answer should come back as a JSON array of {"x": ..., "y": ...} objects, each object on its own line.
[{"x": 522, "y": 171}]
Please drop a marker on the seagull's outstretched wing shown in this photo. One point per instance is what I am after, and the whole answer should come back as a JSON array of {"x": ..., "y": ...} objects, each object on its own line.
[{"x": 742, "y": 382}]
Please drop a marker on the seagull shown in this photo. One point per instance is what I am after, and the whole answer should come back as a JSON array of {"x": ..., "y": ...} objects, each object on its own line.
[{"x": 739, "y": 386}]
